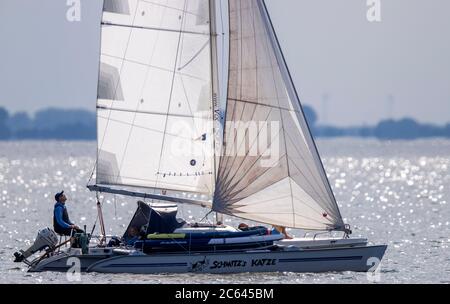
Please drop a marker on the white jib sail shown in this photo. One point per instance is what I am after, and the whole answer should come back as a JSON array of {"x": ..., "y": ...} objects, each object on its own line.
[
  {"x": 154, "y": 97},
  {"x": 282, "y": 182}
]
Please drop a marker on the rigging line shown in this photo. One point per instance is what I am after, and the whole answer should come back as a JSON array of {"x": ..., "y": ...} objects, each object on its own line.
[
  {"x": 289, "y": 76},
  {"x": 224, "y": 139},
  {"x": 97, "y": 94},
  {"x": 149, "y": 112},
  {"x": 206, "y": 216},
  {"x": 227, "y": 138},
  {"x": 195, "y": 55},
  {"x": 171, "y": 91},
  {"x": 222, "y": 24},
  {"x": 266, "y": 105},
  {"x": 188, "y": 103},
  {"x": 171, "y": 7},
  {"x": 153, "y": 66},
  {"x": 139, "y": 104},
  {"x": 93, "y": 171},
  {"x": 116, "y": 86},
  {"x": 156, "y": 29}
]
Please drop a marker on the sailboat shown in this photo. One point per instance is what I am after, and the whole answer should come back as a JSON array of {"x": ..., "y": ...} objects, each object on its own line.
[{"x": 196, "y": 106}]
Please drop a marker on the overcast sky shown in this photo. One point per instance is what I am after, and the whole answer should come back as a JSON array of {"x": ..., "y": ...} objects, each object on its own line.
[{"x": 350, "y": 70}]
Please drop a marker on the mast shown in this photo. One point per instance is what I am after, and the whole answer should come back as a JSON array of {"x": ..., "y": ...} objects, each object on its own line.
[{"x": 217, "y": 89}]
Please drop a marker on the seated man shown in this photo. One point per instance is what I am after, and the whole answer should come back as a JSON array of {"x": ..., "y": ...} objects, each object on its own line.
[
  {"x": 243, "y": 227},
  {"x": 133, "y": 236},
  {"x": 61, "y": 222}
]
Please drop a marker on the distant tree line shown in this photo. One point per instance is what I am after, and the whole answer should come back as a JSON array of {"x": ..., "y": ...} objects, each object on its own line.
[
  {"x": 51, "y": 124},
  {"x": 404, "y": 129},
  {"x": 58, "y": 124}
]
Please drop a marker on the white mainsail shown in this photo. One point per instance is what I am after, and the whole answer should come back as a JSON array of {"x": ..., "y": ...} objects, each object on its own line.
[
  {"x": 177, "y": 65},
  {"x": 154, "y": 96}
]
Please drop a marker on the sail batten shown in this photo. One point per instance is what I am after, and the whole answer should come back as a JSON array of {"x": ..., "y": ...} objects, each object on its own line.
[{"x": 157, "y": 29}]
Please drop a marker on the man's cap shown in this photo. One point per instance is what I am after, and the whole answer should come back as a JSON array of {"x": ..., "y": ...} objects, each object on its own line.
[{"x": 58, "y": 195}]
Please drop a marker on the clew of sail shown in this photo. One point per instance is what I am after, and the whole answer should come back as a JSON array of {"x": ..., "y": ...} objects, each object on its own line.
[
  {"x": 282, "y": 182},
  {"x": 154, "y": 107}
]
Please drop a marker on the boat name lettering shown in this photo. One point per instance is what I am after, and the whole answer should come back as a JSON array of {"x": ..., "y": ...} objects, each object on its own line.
[
  {"x": 228, "y": 264},
  {"x": 264, "y": 262}
]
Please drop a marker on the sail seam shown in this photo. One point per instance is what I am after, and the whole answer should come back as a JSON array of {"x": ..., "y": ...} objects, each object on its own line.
[
  {"x": 171, "y": 7},
  {"x": 264, "y": 105},
  {"x": 148, "y": 112},
  {"x": 152, "y": 66},
  {"x": 156, "y": 29}
]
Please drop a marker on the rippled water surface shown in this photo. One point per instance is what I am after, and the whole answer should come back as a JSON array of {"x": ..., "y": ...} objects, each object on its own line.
[{"x": 397, "y": 193}]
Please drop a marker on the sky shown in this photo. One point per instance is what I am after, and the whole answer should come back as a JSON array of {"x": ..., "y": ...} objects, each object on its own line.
[{"x": 350, "y": 70}]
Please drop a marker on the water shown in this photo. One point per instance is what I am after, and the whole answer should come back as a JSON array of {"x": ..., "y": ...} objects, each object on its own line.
[{"x": 397, "y": 193}]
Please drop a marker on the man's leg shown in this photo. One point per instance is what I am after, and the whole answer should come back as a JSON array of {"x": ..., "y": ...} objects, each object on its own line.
[
  {"x": 65, "y": 231},
  {"x": 78, "y": 231}
]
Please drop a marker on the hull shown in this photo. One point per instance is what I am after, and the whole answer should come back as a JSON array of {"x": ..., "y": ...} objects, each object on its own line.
[{"x": 358, "y": 259}]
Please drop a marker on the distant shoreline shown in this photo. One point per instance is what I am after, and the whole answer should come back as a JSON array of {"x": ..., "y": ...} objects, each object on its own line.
[{"x": 80, "y": 125}]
